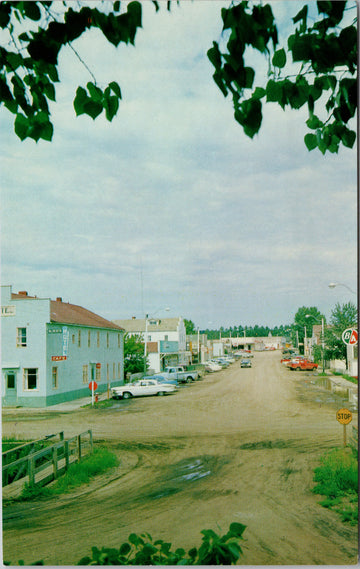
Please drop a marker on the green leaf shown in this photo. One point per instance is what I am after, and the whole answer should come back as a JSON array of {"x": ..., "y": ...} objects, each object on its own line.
[
  {"x": 302, "y": 15},
  {"x": 111, "y": 105},
  {"x": 80, "y": 100},
  {"x": 348, "y": 138},
  {"x": 92, "y": 108},
  {"x": 95, "y": 92},
  {"x": 274, "y": 92},
  {"x": 310, "y": 141},
  {"x": 279, "y": 58},
  {"x": 314, "y": 122},
  {"x": 115, "y": 88},
  {"x": 237, "y": 529},
  {"x": 21, "y": 126},
  {"x": 214, "y": 55},
  {"x": 259, "y": 93},
  {"x": 125, "y": 548},
  {"x": 32, "y": 10}
]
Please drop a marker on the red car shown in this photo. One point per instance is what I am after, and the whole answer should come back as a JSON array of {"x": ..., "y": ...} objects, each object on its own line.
[{"x": 302, "y": 364}]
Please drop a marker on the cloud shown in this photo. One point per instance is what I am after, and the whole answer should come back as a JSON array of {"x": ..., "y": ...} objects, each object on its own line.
[{"x": 171, "y": 204}]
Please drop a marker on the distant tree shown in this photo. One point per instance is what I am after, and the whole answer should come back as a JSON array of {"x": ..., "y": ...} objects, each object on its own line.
[
  {"x": 305, "y": 318},
  {"x": 342, "y": 317},
  {"x": 190, "y": 327},
  {"x": 133, "y": 354}
]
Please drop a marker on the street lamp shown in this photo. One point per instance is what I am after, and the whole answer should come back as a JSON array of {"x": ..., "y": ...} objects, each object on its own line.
[
  {"x": 333, "y": 285},
  {"x": 146, "y": 330},
  {"x": 322, "y": 339}
]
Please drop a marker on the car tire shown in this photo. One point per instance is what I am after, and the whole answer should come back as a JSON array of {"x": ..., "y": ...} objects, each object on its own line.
[
  {"x": 189, "y": 379},
  {"x": 160, "y": 393},
  {"x": 298, "y": 369},
  {"x": 126, "y": 395}
]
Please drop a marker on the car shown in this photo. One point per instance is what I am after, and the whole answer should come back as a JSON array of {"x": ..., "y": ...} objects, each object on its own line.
[
  {"x": 245, "y": 362},
  {"x": 142, "y": 387},
  {"x": 161, "y": 379},
  {"x": 301, "y": 364},
  {"x": 211, "y": 366}
]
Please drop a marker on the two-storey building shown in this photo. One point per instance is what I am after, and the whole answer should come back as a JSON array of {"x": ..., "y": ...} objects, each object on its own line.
[
  {"x": 51, "y": 350},
  {"x": 165, "y": 340}
]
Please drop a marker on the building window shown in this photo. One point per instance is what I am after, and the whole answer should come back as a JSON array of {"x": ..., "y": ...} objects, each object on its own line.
[
  {"x": 85, "y": 374},
  {"x": 10, "y": 380},
  {"x": 98, "y": 373},
  {"x": 119, "y": 340},
  {"x": 79, "y": 338},
  {"x": 107, "y": 372},
  {"x": 114, "y": 371},
  {"x": 166, "y": 337},
  {"x": 98, "y": 339},
  {"x": 73, "y": 338},
  {"x": 119, "y": 370},
  {"x": 55, "y": 378},
  {"x": 20, "y": 337},
  {"x": 107, "y": 339},
  {"x": 30, "y": 378},
  {"x": 89, "y": 338}
]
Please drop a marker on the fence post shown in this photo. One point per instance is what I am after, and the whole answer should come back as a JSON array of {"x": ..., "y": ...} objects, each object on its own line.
[
  {"x": 31, "y": 471},
  {"x": 61, "y": 435},
  {"x": 54, "y": 461},
  {"x": 66, "y": 449},
  {"x": 91, "y": 441},
  {"x": 79, "y": 448}
]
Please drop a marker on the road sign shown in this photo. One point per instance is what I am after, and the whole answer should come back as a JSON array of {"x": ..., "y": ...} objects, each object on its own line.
[
  {"x": 93, "y": 385},
  {"x": 350, "y": 337},
  {"x": 344, "y": 416}
]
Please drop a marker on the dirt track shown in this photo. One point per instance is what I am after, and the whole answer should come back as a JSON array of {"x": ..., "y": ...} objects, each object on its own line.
[{"x": 239, "y": 446}]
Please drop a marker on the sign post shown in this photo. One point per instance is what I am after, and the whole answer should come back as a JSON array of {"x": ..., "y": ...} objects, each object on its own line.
[
  {"x": 344, "y": 416},
  {"x": 92, "y": 386}
]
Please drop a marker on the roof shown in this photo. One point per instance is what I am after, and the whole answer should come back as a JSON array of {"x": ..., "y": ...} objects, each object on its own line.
[
  {"x": 72, "y": 314},
  {"x": 138, "y": 324},
  {"x": 66, "y": 313}
]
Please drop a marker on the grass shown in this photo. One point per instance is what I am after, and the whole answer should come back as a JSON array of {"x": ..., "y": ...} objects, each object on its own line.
[
  {"x": 337, "y": 478},
  {"x": 78, "y": 474},
  {"x": 101, "y": 404}
]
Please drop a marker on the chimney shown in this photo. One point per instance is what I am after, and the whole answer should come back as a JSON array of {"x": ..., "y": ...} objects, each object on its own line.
[
  {"x": 59, "y": 299},
  {"x": 23, "y": 292}
]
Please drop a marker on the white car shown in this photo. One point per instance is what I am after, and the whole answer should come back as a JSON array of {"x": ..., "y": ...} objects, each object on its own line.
[
  {"x": 142, "y": 387},
  {"x": 211, "y": 366}
]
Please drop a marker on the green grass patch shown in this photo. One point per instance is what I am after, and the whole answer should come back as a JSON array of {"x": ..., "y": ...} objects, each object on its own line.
[
  {"x": 337, "y": 478},
  {"x": 78, "y": 474},
  {"x": 101, "y": 404},
  {"x": 350, "y": 378}
]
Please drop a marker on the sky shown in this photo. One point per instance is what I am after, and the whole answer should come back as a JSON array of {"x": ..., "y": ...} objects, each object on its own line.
[{"x": 171, "y": 205}]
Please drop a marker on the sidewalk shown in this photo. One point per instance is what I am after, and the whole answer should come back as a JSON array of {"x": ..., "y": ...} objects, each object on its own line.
[{"x": 64, "y": 407}]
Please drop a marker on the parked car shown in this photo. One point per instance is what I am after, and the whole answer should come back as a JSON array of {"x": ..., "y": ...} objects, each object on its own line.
[
  {"x": 211, "y": 366},
  {"x": 180, "y": 374},
  {"x": 142, "y": 387},
  {"x": 246, "y": 362},
  {"x": 162, "y": 379},
  {"x": 301, "y": 364}
]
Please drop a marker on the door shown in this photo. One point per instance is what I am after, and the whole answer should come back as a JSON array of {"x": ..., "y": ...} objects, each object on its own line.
[{"x": 10, "y": 387}]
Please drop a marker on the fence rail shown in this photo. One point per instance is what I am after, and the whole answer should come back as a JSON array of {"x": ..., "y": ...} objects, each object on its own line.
[{"x": 45, "y": 465}]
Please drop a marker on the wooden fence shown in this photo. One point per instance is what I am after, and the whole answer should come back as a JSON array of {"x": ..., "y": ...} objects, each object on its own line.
[{"x": 45, "y": 465}]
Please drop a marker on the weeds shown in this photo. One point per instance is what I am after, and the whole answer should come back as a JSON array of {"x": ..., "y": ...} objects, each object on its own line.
[
  {"x": 79, "y": 473},
  {"x": 337, "y": 478}
]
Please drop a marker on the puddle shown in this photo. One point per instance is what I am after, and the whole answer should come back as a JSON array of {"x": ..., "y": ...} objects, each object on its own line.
[
  {"x": 191, "y": 469},
  {"x": 328, "y": 392}
]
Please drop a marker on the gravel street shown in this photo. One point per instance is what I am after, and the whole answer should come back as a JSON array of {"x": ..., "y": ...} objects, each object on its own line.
[{"x": 238, "y": 446}]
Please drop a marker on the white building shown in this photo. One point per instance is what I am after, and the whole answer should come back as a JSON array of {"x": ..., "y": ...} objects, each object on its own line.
[{"x": 165, "y": 340}]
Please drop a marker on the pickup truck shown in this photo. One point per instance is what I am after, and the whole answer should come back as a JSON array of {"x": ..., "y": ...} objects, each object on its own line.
[
  {"x": 180, "y": 374},
  {"x": 301, "y": 364}
]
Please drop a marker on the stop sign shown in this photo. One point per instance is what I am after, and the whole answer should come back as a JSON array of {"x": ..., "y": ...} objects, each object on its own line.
[{"x": 93, "y": 385}]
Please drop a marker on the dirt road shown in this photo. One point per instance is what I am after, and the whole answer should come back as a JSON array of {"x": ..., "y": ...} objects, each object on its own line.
[{"x": 239, "y": 446}]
